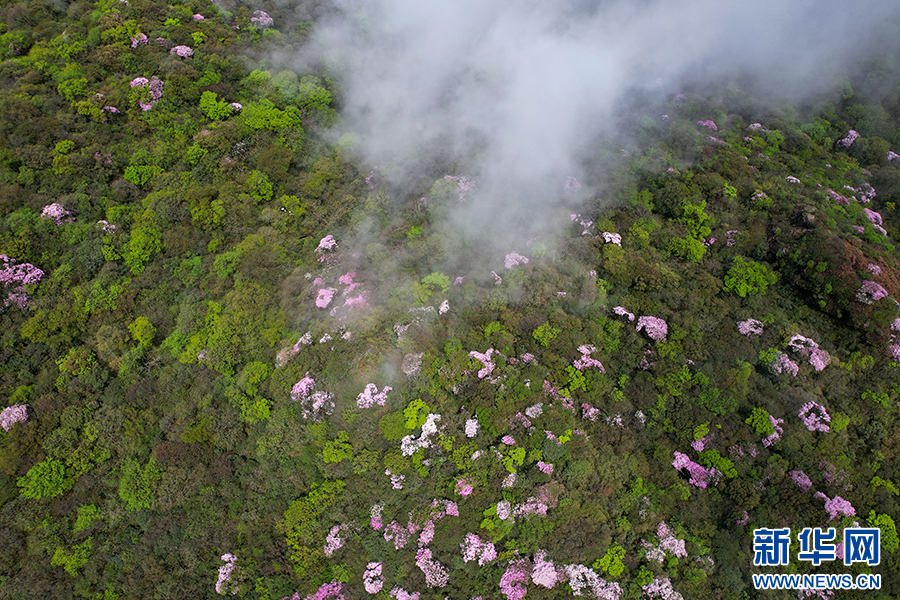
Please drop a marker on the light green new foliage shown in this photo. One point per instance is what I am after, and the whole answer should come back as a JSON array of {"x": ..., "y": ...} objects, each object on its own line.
[
  {"x": 338, "y": 449},
  {"x": 759, "y": 420},
  {"x": 143, "y": 331},
  {"x": 748, "y": 277},
  {"x": 74, "y": 559},
  {"x": 546, "y": 334},
  {"x": 889, "y": 539},
  {"x": 46, "y": 479},
  {"x": 611, "y": 562},
  {"x": 137, "y": 484}
]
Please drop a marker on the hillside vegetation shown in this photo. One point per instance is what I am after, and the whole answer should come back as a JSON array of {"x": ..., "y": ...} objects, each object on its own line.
[{"x": 235, "y": 358}]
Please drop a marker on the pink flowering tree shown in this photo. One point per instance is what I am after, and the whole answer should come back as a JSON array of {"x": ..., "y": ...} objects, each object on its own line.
[
  {"x": 622, "y": 312},
  {"x": 15, "y": 277},
  {"x": 838, "y": 507},
  {"x": 870, "y": 292},
  {"x": 474, "y": 548},
  {"x": 56, "y": 213},
  {"x": 373, "y": 580},
  {"x": 514, "y": 259},
  {"x": 261, "y": 20},
  {"x": 370, "y": 396},
  {"x": 484, "y": 359},
  {"x": 182, "y": 51},
  {"x": 586, "y": 362},
  {"x": 655, "y": 327},
  {"x": 17, "y": 413},
  {"x": 514, "y": 582},
  {"x": 708, "y": 124},
  {"x": 814, "y": 416},
  {"x": 544, "y": 573},
  {"x": 229, "y": 576},
  {"x": 848, "y": 141},
  {"x": 751, "y": 328}
]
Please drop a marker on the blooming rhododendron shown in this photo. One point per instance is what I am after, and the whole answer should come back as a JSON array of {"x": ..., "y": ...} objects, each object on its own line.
[
  {"x": 508, "y": 440},
  {"x": 17, "y": 413},
  {"x": 700, "y": 476},
  {"x": 399, "y": 593},
  {"x": 582, "y": 578},
  {"x": 412, "y": 364},
  {"x": 15, "y": 277},
  {"x": 473, "y": 548},
  {"x": 57, "y": 213},
  {"x": 436, "y": 575},
  {"x": 226, "y": 584},
  {"x": 514, "y": 259},
  {"x": 261, "y": 20},
  {"x": 485, "y": 359},
  {"x": 586, "y": 361},
  {"x": 514, "y": 581},
  {"x": 182, "y": 51},
  {"x": 751, "y": 328},
  {"x": 708, "y": 124},
  {"x": 544, "y": 572},
  {"x": 152, "y": 94},
  {"x": 371, "y": 396},
  {"x": 814, "y": 417},
  {"x": 324, "y": 297},
  {"x": 662, "y": 589},
  {"x": 655, "y": 327},
  {"x": 792, "y": 179},
  {"x": 333, "y": 541},
  {"x": 801, "y": 479},
  {"x": 373, "y": 580},
  {"x": 623, "y": 313},
  {"x": 848, "y": 141},
  {"x": 869, "y": 292},
  {"x": 471, "y": 427},
  {"x": 612, "y": 238},
  {"x": 465, "y": 186},
  {"x": 783, "y": 363},
  {"x": 837, "y": 507},
  {"x": 138, "y": 40},
  {"x": 463, "y": 488},
  {"x": 546, "y": 468}
]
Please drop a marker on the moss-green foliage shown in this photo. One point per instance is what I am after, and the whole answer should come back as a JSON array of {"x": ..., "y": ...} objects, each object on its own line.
[
  {"x": 45, "y": 479},
  {"x": 138, "y": 484},
  {"x": 611, "y": 562},
  {"x": 545, "y": 334},
  {"x": 415, "y": 414},
  {"x": 338, "y": 449},
  {"x": 143, "y": 331},
  {"x": 74, "y": 559},
  {"x": 759, "y": 420},
  {"x": 889, "y": 539},
  {"x": 214, "y": 109},
  {"x": 264, "y": 115},
  {"x": 747, "y": 277}
]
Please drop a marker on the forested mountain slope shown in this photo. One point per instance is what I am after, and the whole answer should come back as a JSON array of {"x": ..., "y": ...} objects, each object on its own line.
[{"x": 236, "y": 358}]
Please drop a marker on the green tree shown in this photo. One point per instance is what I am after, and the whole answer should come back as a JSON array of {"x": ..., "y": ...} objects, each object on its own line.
[
  {"x": 759, "y": 420},
  {"x": 747, "y": 277},
  {"x": 611, "y": 562},
  {"x": 74, "y": 559},
  {"x": 260, "y": 186},
  {"x": 137, "y": 484},
  {"x": 214, "y": 109},
  {"x": 143, "y": 331},
  {"x": 46, "y": 479},
  {"x": 338, "y": 449},
  {"x": 144, "y": 242},
  {"x": 889, "y": 538},
  {"x": 545, "y": 334}
]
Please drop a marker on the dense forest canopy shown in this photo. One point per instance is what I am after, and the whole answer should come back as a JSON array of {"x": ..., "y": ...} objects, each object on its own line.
[{"x": 334, "y": 300}]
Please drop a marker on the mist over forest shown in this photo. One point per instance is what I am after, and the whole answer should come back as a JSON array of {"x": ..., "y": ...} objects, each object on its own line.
[{"x": 312, "y": 300}]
